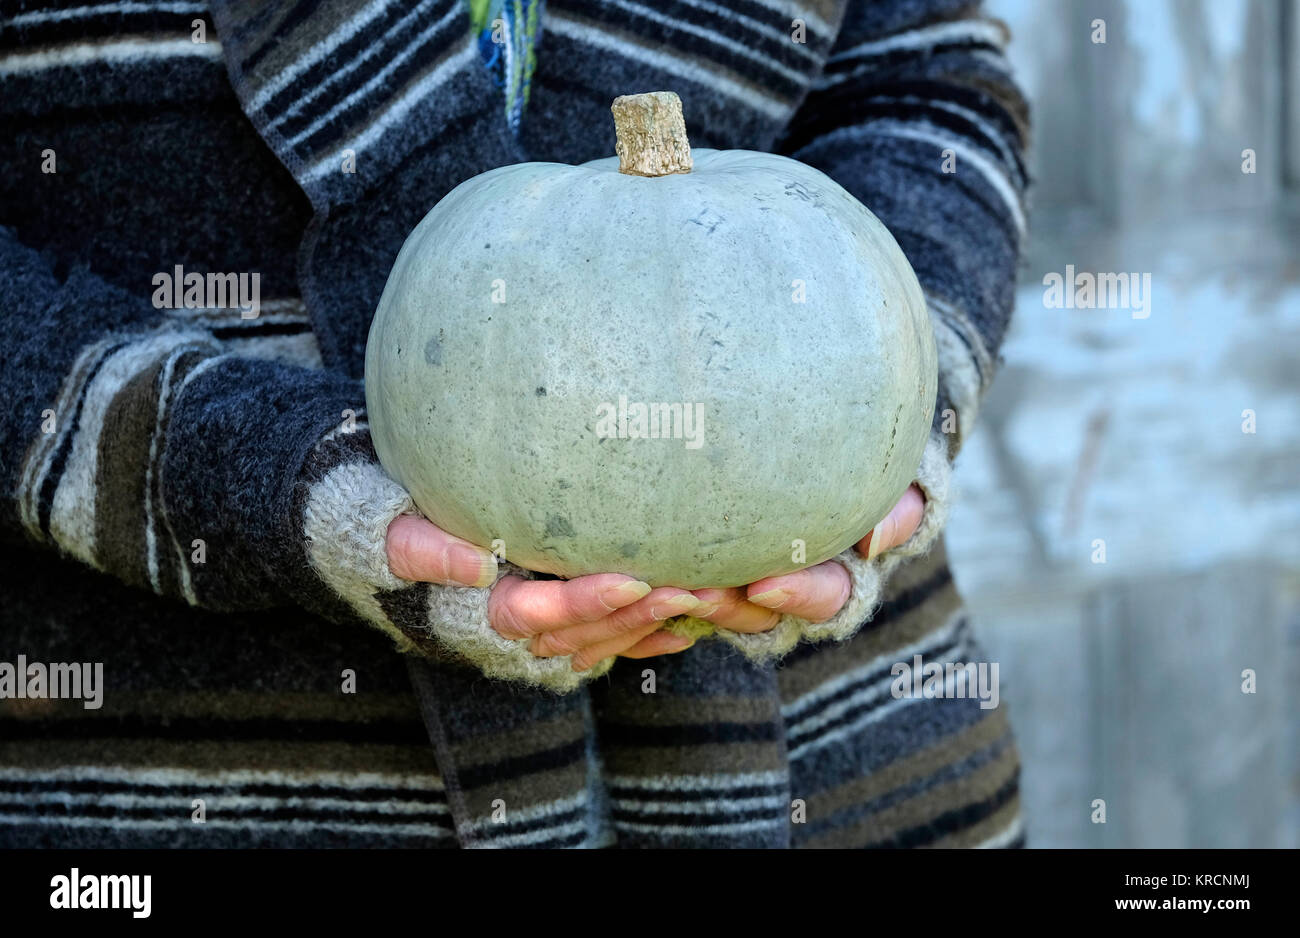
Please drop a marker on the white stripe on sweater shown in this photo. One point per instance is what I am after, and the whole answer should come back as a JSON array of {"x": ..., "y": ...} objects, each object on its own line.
[
  {"x": 301, "y": 350},
  {"x": 1005, "y": 836},
  {"x": 796, "y": 10},
  {"x": 181, "y": 802},
  {"x": 320, "y": 50},
  {"x": 246, "y": 825},
  {"x": 378, "y": 47},
  {"x": 395, "y": 113},
  {"x": 190, "y": 778},
  {"x": 480, "y": 829},
  {"x": 214, "y": 317},
  {"x": 131, "y": 49},
  {"x": 924, "y": 132},
  {"x": 183, "y": 565},
  {"x": 103, "y": 9},
  {"x": 721, "y": 39},
  {"x": 711, "y": 806},
  {"x": 533, "y": 837},
  {"x": 1005, "y": 149},
  {"x": 994, "y": 60},
  {"x": 72, "y": 517},
  {"x": 47, "y": 445},
  {"x": 377, "y": 80},
  {"x": 682, "y": 783},
  {"x": 817, "y": 707},
  {"x": 557, "y": 24},
  {"x": 879, "y": 691},
  {"x": 164, "y": 399},
  {"x": 765, "y": 28},
  {"x": 926, "y": 37}
]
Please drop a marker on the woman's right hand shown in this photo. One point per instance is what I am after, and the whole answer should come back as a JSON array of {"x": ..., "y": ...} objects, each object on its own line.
[{"x": 591, "y": 618}]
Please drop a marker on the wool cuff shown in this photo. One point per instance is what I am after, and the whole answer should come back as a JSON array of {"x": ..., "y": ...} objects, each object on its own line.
[
  {"x": 868, "y": 576},
  {"x": 345, "y": 521},
  {"x": 458, "y": 617}
]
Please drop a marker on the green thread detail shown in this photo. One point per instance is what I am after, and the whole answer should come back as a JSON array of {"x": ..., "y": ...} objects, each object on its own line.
[
  {"x": 478, "y": 13},
  {"x": 512, "y": 61},
  {"x": 689, "y": 627}
]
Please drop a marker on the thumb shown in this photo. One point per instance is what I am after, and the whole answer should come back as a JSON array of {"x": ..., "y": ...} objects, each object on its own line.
[
  {"x": 420, "y": 550},
  {"x": 897, "y": 526}
]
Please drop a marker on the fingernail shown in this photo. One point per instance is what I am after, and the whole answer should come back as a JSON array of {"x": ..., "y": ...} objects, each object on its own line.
[
  {"x": 706, "y": 610},
  {"x": 772, "y": 599},
  {"x": 616, "y": 597},
  {"x": 487, "y": 566},
  {"x": 878, "y": 537},
  {"x": 681, "y": 644},
  {"x": 676, "y": 606}
]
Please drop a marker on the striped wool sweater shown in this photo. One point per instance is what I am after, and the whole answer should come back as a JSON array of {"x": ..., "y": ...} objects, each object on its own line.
[{"x": 189, "y": 496}]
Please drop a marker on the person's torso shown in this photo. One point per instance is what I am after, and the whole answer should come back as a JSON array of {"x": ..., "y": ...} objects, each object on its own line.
[{"x": 129, "y": 150}]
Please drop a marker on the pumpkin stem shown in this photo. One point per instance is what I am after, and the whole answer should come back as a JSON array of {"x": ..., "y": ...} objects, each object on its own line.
[{"x": 651, "y": 134}]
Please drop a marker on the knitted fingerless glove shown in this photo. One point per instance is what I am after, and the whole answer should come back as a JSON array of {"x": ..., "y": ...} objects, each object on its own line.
[{"x": 347, "y": 503}]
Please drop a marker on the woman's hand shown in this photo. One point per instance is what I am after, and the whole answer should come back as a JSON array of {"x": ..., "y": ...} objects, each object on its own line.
[
  {"x": 814, "y": 593},
  {"x": 605, "y": 614},
  {"x": 591, "y": 617}
]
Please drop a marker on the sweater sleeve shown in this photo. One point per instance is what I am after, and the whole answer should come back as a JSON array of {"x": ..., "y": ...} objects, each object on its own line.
[
  {"x": 146, "y": 448},
  {"x": 917, "y": 115},
  {"x": 141, "y": 446}
]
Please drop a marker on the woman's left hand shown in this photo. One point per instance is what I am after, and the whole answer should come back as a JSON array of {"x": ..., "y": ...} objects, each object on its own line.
[{"x": 814, "y": 593}]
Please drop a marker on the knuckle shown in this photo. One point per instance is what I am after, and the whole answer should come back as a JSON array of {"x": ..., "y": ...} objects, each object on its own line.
[
  {"x": 621, "y": 625},
  {"x": 630, "y": 617},
  {"x": 443, "y": 563},
  {"x": 557, "y": 644},
  {"x": 400, "y": 547},
  {"x": 843, "y": 593},
  {"x": 507, "y": 620},
  {"x": 831, "y": 599},
  {"x": 729, "y": 608},
  {"x": 765, "y": 622},
  {"x": 575, "y": 599}
]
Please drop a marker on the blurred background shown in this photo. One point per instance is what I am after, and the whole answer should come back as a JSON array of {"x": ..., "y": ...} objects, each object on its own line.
[{"x": 1124, "y": 678}]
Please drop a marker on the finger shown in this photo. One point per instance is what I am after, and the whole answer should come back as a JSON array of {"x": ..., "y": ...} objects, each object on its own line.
[
  {"x": 658, "y": 605},
  {"x": 522, "y": 608},
  {"x": 814, "y": 593},
  {"x": 594, "y": 654},
  {"x": 420, "y": 550},
  {"x": 658, "y": 642},
  {"x": 735, "y": 612},
  {"x": 897, "y": 526}
]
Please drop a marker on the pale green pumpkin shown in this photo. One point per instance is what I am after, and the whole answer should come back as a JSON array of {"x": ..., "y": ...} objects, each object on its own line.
[{"x": 537, "y": 305}]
